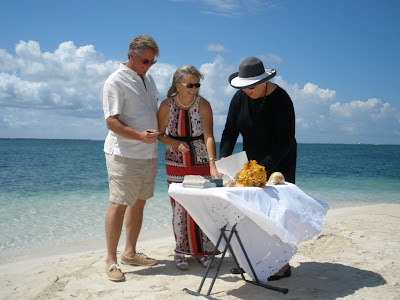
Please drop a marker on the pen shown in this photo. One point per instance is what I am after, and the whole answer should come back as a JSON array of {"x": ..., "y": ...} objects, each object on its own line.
[{"x": 162, "y": 134}]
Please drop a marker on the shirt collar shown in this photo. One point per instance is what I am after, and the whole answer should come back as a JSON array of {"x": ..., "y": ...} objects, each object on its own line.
[{"x": 129, "y": 71}]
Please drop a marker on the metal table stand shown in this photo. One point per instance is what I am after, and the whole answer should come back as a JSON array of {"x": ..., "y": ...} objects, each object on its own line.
[{"x": 228, "y": 246}]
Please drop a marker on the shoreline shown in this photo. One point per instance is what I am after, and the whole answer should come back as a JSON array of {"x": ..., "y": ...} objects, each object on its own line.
[
  {"x": 81, "y": 246},
  {"x": 354, "y": 257}
]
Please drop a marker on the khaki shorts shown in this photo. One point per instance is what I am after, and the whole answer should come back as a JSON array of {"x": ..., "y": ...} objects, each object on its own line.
[{"x": 130, "y": 179}]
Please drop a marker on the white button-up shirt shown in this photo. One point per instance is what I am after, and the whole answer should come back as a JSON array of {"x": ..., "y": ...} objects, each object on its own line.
[{"x": 125, "y": 94}]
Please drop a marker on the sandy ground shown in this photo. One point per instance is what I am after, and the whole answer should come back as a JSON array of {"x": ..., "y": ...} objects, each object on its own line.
[{"x": 354, "y": 257}]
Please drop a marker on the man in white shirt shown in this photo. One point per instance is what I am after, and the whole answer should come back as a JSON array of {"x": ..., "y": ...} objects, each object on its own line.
[{"x": 130, "y": 108}]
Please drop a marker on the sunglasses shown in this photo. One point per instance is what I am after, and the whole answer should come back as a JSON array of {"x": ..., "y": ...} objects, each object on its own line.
[
  {"x": 251, "y": 88},
  {"x": 191, "y": 85},
  {"x": 146, "y": 61}
]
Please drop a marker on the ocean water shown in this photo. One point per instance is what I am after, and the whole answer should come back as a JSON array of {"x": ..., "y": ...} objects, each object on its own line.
[{"x": 54, "y": 193}]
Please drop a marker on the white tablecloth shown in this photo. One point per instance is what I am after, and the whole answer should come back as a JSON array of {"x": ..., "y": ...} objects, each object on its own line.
[{"x": 270, "y": 221}]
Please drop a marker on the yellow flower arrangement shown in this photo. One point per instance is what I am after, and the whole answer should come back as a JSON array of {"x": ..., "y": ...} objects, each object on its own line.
[{"x": 252, "y": 174}]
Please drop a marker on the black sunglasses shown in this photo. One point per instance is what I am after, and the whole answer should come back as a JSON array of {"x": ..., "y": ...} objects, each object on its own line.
[
  {"x": 251, "y": 88},
  {"x": 146, "y": 61},
  {"x": 191, "y": 85}
]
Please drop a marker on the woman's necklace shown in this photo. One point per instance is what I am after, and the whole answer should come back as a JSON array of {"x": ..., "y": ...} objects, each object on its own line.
[
  {"x": 185, "y": 106},
  {"x": 258, "y": 106}
]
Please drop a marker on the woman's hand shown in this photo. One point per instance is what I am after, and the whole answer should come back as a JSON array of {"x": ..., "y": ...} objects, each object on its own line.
[
  {"x": 183, "y": 147},
  {"x": 214, "y": 172}
]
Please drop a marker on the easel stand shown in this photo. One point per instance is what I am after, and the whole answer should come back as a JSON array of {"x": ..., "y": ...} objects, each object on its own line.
[{"x": 228, "y": 246}]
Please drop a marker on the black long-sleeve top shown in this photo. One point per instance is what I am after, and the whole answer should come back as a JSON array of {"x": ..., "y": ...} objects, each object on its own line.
[{"x": 268, "y": 135}]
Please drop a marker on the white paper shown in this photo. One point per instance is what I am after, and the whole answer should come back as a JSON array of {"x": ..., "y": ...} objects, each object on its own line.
[{"x": 230, "y": 165}]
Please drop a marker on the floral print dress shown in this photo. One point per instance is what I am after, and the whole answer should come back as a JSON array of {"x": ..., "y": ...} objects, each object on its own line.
[{"x": 186, "y": 126}]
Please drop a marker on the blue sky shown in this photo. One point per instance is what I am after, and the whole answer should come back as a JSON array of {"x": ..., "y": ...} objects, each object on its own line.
[{"x": 338, "y": 60}]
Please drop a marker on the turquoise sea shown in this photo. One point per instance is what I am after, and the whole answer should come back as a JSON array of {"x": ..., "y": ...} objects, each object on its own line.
[{"x": 54, "y": 193}]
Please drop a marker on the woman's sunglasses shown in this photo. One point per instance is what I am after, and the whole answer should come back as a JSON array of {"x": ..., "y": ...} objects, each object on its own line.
[
  {"x": 253, "y": 87},
  {"x": 191, "y": 85}
]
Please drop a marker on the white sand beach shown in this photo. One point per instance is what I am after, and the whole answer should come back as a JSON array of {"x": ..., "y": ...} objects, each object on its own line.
[{"x": 354, "y": 257}]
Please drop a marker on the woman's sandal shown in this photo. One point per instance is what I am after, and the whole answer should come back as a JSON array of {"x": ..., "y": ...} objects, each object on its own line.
[
  {"x": 181, "y": 262},
  {"x": 204, "y": 260}
]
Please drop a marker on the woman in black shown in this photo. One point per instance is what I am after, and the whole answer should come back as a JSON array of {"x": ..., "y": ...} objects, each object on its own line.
[{"x": 263, "y": 113}]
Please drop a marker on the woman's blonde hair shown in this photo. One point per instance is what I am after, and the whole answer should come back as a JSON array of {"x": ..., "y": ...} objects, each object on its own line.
[
  {"x": 141, "y": 43},
  {"x": 182, "y": 71}
]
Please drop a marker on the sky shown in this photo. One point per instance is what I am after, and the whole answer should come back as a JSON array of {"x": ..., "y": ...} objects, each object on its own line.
[{"x": 338, "y": 61}]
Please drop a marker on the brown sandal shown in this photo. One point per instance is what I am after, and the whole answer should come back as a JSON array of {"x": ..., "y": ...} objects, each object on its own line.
[{"x": 181, "y": 262}]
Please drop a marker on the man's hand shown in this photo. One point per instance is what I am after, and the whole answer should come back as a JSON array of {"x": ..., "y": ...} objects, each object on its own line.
[{"x": 149, "y": 136}]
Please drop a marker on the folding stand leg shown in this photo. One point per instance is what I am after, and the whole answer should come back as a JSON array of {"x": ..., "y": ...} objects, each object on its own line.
[
  {"x": 211, "y": 261},
  {"x": 228, "y": 246}
]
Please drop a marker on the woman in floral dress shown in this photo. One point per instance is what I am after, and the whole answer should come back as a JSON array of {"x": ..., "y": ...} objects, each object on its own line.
[{"x": 190, "y": 150}]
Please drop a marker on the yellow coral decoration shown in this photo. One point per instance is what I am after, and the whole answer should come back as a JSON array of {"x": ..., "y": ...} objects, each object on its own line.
[{"x": 252, "y": 174}]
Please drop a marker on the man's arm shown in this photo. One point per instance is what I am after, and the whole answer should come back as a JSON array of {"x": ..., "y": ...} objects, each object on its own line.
[{"x": 149, "y": 136}]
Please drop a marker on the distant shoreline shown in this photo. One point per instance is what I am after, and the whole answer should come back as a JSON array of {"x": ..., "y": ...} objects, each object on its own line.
[
  {"x": 239, "y": 142},
  {"x": 44, "y": 139}
]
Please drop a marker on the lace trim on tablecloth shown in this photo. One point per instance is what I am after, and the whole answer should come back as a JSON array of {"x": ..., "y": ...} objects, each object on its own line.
[{"x": 223, "y": 213}]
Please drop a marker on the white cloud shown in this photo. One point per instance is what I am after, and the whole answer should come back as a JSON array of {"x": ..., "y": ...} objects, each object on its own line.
[
  {"x": 7, "y": 62},
  {"x": 233, "y": 8},
  {"x": 217, "y": 48},
  {"x": 57, "y": 95},
  {"x": 39, "y": 90},
  {"x": 374, "y": 108},
  {"x": 366, "y": 118},
  {"x": 216, "y": 88},
  {"x": 271, "y": 60},
  {"x": 320, "y": 117},
  {"x": 162, "y": 74},
  {"x": 68, "y": 64},
  {"x": 69, "y": 79},
  {"x": 226, "y": 7},
  {"x": 14, "y": 121},
  {"x": 313, "y": 90},
  {"x": 35, "y": 123}
]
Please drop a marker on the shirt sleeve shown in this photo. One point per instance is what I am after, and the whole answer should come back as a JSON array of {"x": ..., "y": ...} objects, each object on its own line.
[
  {"x": 112, "y": 97},
  {"x": 231, "y": 132}
]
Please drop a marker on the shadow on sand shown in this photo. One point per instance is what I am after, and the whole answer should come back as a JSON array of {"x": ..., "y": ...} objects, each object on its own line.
[
  {"x": 315, "y": 280},
  {"x": 309, "y": 280}
]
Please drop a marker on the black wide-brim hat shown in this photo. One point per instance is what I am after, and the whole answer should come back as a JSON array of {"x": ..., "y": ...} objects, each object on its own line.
[{"x": 251, "y": 73}]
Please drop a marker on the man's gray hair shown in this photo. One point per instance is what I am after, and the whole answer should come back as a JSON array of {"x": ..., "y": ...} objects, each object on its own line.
[{"x": 141, "y": 43}]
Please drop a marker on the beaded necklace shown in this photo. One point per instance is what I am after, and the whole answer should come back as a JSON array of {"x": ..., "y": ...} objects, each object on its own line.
[
  {"x": 185, "y": 106},
  {"x": 258, "y": 106}
]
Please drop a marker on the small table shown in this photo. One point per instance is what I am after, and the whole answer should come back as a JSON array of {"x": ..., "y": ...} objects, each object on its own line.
[{"x": 270, "y": 220}]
